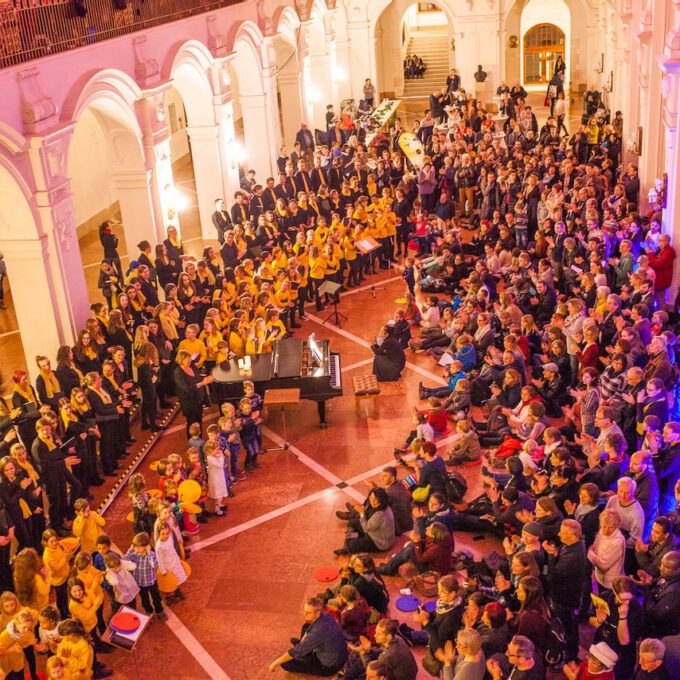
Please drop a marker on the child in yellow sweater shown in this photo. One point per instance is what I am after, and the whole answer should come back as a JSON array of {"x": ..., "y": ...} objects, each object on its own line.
[
  {"x": 87, "y": 525},
  {"x": 76, "y": 652},
  {"x": 92, "y": 578},
  {"x": 56, "y": 561}
]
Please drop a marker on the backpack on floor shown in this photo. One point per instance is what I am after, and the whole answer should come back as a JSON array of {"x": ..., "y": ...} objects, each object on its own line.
[
  {"x": 555, "y": 643},
  {"x": 456, "y": 487}
]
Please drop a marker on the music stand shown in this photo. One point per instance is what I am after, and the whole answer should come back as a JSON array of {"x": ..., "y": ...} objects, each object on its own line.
[
  {"x": 127, "y": 641},
  {"x": 332, "y": 288},
  {"x": 282, "y": 397},
  {"x": 366, "y": 246}
]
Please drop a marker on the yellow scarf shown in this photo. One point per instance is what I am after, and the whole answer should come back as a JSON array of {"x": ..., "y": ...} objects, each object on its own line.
[
  {"x": 52, "y": 386},
  {"x": 49, "y": 443},
  {"x": 80, "y": 408},
  {"x": 67, "y": 418},
  {"x": 174, "y": 242},
  {"x": 89, "y": 352},
  {"x": 28, "y": 468},
  {"x": 28, "y": 395}
]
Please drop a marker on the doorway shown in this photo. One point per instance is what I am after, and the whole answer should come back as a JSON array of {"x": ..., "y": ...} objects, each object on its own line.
[{"x": 542, "y": 45}]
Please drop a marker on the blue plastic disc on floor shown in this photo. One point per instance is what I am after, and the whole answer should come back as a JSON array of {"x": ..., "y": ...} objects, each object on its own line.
[
  {"x": 407, "y": 603},
  {"x": 430, "y": 607}
]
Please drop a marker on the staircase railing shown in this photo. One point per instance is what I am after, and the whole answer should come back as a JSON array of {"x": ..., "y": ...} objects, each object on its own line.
[{"x": 30, "y": 29}]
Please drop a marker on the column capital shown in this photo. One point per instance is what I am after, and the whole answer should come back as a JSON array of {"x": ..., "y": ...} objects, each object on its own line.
[
  {"x": 152, "y": 113},
  {"x": 131, "y": 179},
  {"x": 672, "y": 42},
  {"x": 252, "y": 101},
  {"x": 670, "y": 85},
  {"x": 25, "y": 248},
  {"x": 48, "y": 154},
  {"x": 203, "y": 133}
]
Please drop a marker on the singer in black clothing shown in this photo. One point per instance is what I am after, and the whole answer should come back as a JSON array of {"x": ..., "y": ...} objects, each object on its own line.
[{"x": 389, "y": 358}]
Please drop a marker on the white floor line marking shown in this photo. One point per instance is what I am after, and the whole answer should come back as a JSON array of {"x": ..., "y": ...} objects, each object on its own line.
[
  {"x": 379, "y": 468},
  {"x": 357, "y": 365},
  {"x": 194, "y": 647},
  {"x": 361, "y": 289},
  {"x": 4, "y": 335},
  {"x": 311, "y": 463},
  {"x": 359, "y": 341},
  {"x": 250, "y": 524}
]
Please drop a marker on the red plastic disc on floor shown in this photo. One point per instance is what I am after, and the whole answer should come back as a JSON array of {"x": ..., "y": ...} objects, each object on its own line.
[
  {"x": 326, "y": 574},
  {"x": 122, "y": 622}
]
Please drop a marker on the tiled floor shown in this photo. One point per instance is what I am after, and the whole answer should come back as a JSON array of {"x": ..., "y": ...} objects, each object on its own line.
[{"x": 253, "y": 569}]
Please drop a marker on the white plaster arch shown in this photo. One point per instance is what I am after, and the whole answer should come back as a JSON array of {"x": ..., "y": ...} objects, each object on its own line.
[
  {"x": 251, "y": 102},
  {"x": 287, "y": 25},
  {"x": 19, "y": 218},
  {"x": 12, "y": 139},
  {"x": 106, "y": 157},
  {"x": 580, "y": 43},
  {"x": 107, "y": 85},
  {"x": 555, "y": 12},
  {"x": 376, "y": 9},
  {"x": 190, "y": 74},
  {"x": 386, "y": 20},
  {"x": 246, "y": 60}
]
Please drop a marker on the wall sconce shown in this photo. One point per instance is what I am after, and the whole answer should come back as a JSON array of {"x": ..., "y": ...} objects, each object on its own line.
[
  {"x": 177, "y": 202},
  {"x": 658, "y": 194},
  {"x": 609, "y": 85},
  {"x": 236, "y": 153}
]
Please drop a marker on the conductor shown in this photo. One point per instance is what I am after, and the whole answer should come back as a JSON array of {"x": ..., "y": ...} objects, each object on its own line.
[{"x": 389, "y": 358}]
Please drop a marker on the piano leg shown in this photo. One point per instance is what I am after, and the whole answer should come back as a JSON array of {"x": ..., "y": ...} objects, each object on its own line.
[{"x": 321, "y": 406}]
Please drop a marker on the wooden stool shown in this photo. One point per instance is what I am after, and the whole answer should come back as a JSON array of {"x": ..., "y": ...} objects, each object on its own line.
[{"x": 366, "y": 387}]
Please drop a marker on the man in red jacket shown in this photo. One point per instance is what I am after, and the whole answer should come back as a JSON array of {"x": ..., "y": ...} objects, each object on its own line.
[{"x": 661, "y": 262}]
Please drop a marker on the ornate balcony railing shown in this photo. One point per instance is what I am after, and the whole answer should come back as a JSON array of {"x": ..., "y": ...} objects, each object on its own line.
[{"x": 30, "y": 29}]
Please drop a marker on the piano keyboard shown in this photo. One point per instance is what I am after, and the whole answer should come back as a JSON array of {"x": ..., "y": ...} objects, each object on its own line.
[{"x": 336, "y": 375}]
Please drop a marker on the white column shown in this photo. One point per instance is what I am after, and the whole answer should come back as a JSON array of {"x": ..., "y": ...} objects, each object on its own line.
[
  {"x": 40, "y": 294},
  {"x": 670, "y": 91},
  {"x": 343, "y": 62},
  {"x": 134, "y": 191},
  {"x": 652, "y": 42},
  {"x": 291, "y": 104},
  {"x": 362, "y": 56},
  {"x": 47, "y": 266},
  {"x": 150, "y": 111},
  {"x": 224, "y": 114},
  {"x": 207, "y": 163},
  {"x": 271, "y": 106},
  {"x": 256, "y": 132},
  {"x": 320, "y": 82}
]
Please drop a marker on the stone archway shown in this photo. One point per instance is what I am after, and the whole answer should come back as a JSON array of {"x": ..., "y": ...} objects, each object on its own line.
[
  {"x": 254, "y": 111},
  {"x": 392, "y": 35},
  {"x": 108, "y": 169},
  {"x": 195, "y": 139}
]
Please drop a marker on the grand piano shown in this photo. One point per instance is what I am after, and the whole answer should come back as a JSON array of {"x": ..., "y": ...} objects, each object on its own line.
[{"x": 305, "y": 364}]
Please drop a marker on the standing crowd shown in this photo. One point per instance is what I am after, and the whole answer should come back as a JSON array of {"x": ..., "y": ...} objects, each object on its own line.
[{"x": 544, "y": 296}]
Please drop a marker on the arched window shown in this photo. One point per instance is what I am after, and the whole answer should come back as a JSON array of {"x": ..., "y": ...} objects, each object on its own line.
[{"x": 542, "y": 45}]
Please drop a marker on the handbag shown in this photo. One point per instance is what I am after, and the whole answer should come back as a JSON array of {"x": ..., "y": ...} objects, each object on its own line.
[
  {"x": 426, "y": 583},
  {"x": 546, "y": 101}
]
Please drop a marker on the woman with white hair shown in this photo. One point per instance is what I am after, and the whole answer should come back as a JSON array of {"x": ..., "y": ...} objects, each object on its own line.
[
  {"x": 607, "y": 552},
  {"x": 466, "y": 661}
]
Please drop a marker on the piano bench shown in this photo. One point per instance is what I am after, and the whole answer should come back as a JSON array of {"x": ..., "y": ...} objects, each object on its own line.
[{"x": 366, "y": 387}]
